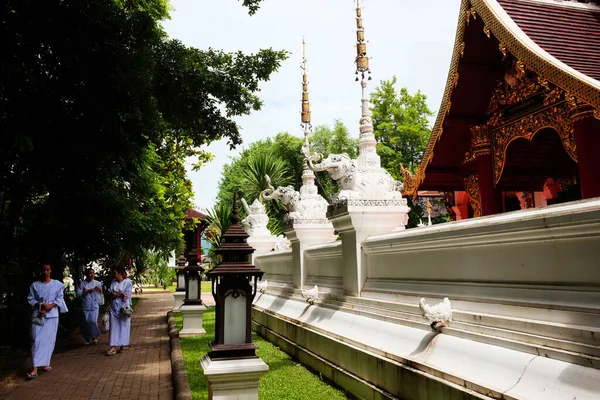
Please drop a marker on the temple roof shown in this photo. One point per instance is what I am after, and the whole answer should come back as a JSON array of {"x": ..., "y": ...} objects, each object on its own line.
[
  {"x": 558, "y": 42},
  {"x": 569, "y": 33}
]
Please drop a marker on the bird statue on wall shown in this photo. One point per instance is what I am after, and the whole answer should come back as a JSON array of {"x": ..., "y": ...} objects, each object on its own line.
[
  {"x": 438, "y": 315},
  {"x": 262, "y": 286},
  {"x": 311, "y": 294}
]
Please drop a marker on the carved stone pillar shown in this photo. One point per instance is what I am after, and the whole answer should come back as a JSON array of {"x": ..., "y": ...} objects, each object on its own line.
[
  {"x": 587, "y": 139},
  {"x": 490, "y": 197}
]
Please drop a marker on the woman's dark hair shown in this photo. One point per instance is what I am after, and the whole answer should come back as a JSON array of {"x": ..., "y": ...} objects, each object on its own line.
[{"x": 121, "y": 270}]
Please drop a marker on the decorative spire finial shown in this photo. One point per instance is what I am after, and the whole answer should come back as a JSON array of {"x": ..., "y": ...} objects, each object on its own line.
[
  {"x": 305, "y": 113},
  {"x": 362, "y": 61},
  {"x": 235, "y": 218}
]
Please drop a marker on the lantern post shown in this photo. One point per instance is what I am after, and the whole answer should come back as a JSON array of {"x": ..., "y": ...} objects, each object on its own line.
[
  {"x": 192, "y": 308},
  {"x": 232, "y": 366},
  {"x": 179, "y": 293}
]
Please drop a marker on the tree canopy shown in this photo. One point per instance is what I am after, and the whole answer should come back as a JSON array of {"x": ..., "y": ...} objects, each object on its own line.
[
  {"x": 401, "y": 125},
  {"x": 99, "y": 110}
]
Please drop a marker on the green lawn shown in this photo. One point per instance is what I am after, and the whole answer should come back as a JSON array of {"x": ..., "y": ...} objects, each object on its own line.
[
  {"x": 286, "y": 379},
  {"x": 204, "y": 286}
]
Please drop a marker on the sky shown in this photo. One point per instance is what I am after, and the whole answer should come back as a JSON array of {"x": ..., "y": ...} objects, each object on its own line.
[{"x": 411, "y": 39}]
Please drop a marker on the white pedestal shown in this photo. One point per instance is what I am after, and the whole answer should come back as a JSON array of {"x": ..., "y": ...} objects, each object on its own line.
[
  {"x": 192, "y": 320},
  {"x": 303, "y": 234},
  {"x": 233, "y": 379},
  {"x": 178, "y": 296},
  {"x": 262, "y": 244},
  {"x": 355, "y": 220}
]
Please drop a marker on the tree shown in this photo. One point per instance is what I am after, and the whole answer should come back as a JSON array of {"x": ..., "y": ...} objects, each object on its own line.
[
  {"x": 401, "y": 125},
  {"x": 99, "y": 110}
]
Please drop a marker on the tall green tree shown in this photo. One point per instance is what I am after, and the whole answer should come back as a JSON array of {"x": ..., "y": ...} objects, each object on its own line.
[
  {"x": 401, "y": 124},
  {"x": 99, "y": 110}
]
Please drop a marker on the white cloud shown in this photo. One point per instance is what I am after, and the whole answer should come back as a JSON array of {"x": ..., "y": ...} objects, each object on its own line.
[{"x": 411, "y": 39}]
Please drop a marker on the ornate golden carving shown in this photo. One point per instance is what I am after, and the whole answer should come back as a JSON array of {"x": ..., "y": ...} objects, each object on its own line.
[
  {"x": 557, "y": 117},
  {"x": 502, "y": 49},
  {"x": 486, "y": 30},
  {"x": 545, "y": 67},
  {"x": 597, "y": 113},
  {"x": 411, "y": 183},
  {"x": 462, "y": 50},
  {"x": 504, "y": 95},
  {"x": 471, "y": 13},
  {"x": 362, "y": 61},
  {"x": 471, "y": 184},
  {"x": 538, "y": 63},
  {"x": 455, "y": 82},
  {"x": 305, "y": 113},
  {"x": 480, "y": 140}
]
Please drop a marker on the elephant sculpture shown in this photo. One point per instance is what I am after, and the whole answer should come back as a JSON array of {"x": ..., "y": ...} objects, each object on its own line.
[
  {"x": 355, "y": 182},
  {"x": 286, "y": 194}
]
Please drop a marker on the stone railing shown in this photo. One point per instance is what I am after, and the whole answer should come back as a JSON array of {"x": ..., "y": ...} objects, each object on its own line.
[{"x": 524, "y": 289}]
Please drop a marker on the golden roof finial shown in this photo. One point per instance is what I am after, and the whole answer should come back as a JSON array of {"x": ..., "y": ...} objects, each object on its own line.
[
  {"x": 305, "y": 113},
  {"x": 362, "y": 61}
]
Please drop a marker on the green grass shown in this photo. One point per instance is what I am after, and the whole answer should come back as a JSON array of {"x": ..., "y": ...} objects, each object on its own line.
[
  {"x": 204, "y": 286},
  {"x": 285, "y": 380}
]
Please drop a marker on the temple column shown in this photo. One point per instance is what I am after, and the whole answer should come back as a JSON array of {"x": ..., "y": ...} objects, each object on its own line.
[
  {"x": 490, "y": 197},
  {"x": 587, "y": 139}
]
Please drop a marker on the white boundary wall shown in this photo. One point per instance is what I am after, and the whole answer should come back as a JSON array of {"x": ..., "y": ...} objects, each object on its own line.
[{"x": 525, "y": 292}]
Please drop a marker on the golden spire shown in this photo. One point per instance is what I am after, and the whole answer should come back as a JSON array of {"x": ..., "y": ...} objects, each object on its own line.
[
  {"x": 362, "y": 61},
  {"x": 305, "y": 113}
]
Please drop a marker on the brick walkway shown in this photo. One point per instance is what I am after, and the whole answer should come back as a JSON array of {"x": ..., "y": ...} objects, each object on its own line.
[{"x": 84, "y": 372}]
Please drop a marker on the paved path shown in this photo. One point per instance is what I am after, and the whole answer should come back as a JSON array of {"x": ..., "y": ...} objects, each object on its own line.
[{"x": 143, "y": 371}]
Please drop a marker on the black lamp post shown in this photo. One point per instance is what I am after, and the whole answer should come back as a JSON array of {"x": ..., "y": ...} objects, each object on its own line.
[
  {"x": 180, "y": 275},
  {"x": 233, "y": 294},
  {"x": 193, "y": 276}
]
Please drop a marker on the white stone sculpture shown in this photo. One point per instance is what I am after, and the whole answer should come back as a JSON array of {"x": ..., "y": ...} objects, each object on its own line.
[
  {"x": 438, "y": 315},
  {"x": 255, "y": 224},
  {"x": 282, "y": 244},
  {"x": 357, "y": 182},
  {"x": 286, "y": 194},
  {"x": 311, "y": 294},
  {"x": 363, "y": 178},
  {"x": 262, "y": 286}
]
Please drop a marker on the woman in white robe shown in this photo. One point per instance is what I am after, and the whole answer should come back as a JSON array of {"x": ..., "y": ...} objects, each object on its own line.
[
  {"x": 90, "y": 291},
  {"x": 120, "y": 326},
  {"x": 46, "y": 298}
]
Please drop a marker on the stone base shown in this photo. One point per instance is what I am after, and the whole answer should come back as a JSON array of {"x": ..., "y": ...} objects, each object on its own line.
[
  {"x": 178, "y": 297},
  {"x": 262, "y": 244},
  {"x": 192, "y": 320},
  {"x": 233, "y": 379}
]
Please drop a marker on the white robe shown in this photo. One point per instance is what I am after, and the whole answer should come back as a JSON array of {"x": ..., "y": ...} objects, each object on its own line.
[
  {"x": 43, "y": 338},
  {"x": 90, "y": 305},
  {"x": 120, "y": 327}
]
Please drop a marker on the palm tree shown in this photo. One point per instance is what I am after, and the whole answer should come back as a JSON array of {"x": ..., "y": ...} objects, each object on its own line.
[
  {"x": 259, "y": 165},
  {"x": 219, "y": 219}
]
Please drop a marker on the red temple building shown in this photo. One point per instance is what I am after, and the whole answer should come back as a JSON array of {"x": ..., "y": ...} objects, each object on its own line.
[{"x": 519, "y": 123}]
